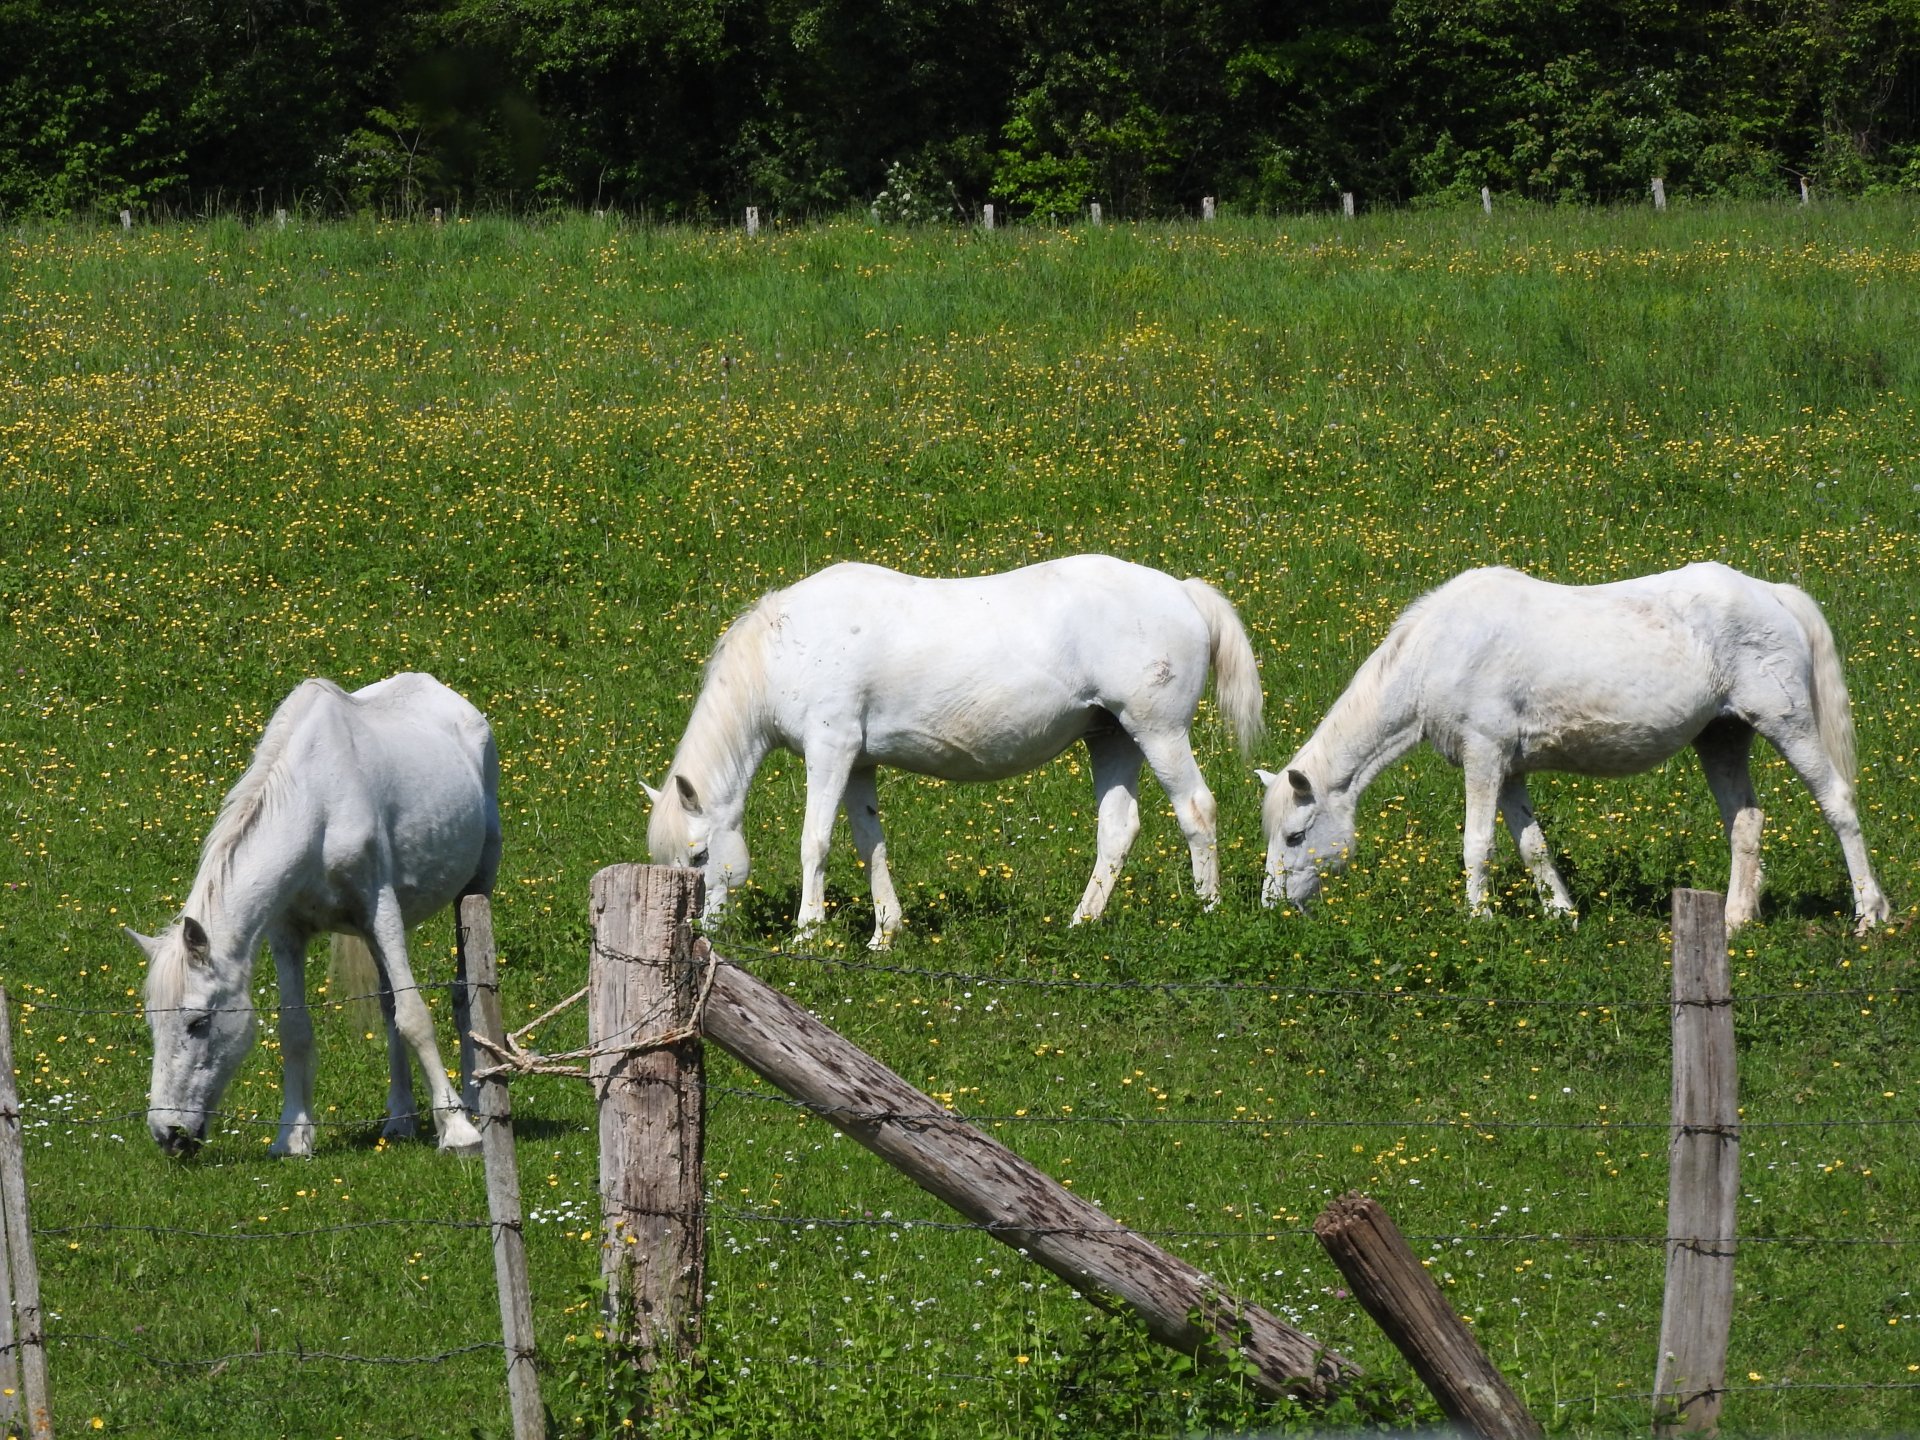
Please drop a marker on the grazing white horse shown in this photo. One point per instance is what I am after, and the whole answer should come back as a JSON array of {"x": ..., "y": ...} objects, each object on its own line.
[
  {"x": 361, "y": 814},
  {"x": 970, "y": 679},
  {"x": 1504, "y": 674}
]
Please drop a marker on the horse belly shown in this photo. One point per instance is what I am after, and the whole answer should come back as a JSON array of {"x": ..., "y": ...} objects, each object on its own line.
[
  {"x": 1625, "y": 741},
  {"x": 975, "y": 742}
]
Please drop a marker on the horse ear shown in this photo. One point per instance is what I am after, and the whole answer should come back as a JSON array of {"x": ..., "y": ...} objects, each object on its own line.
[
  {"x": 689, "y": 797},
  {"x": 1302, "y": 787},
  {"x": 653, "y": 795},
  {"x": 149, "y": 945},
  {"x": 199, "y": 948},
  {"x": 1267, "y": 777}
]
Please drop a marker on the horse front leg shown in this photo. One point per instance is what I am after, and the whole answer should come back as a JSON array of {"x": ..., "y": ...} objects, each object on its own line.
[
  {"x": 863, "y": 818},
  {"x": 1476, "y": 841},
  {"x": 1116, "y": 763},
  {"x": 403, "y": 1117},
  {"x": 827, "y": 777},
  {"x": 1517, "y": 806},
  {"x": 1171, "y": 757},
  {"x": 414, "y": 1023},
  {"x": 295, "y": 1135},
  {"x": 1724, "y": 750}
]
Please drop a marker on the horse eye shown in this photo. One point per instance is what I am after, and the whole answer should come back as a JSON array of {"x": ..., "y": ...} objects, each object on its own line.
[
  {"x": 1298, "y": 837},
  {"x": 199, "y": 1026}
]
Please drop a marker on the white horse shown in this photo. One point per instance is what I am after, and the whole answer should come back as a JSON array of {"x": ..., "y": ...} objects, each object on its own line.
[
  {"x": 1504, "y": 674},
  {"x": 971, "y": 679},
  {"x": 361, "y": 814}
]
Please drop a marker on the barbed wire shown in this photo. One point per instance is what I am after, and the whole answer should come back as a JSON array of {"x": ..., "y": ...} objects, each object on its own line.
[
  {"x": 299, "y": 1353},
  {"x": 1262, "y": 1234},
  {"x": 94, "y": 1227}
]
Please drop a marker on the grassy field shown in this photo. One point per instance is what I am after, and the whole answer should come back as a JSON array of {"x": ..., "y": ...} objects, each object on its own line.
[{"x": 548, "y": 463}]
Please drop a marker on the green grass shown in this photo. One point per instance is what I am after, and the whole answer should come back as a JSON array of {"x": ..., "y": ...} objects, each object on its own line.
[{"x": 548, "y": 464}]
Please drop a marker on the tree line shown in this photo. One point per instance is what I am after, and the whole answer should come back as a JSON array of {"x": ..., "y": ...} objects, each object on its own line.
[{"x": 927, "y": 108}]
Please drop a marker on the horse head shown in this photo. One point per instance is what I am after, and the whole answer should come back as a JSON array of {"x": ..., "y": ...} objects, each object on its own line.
[
  {"x": 685, "y": 830},
  {"x": 1309, "y": 836},
  {"x": 202, "y": 1019}
]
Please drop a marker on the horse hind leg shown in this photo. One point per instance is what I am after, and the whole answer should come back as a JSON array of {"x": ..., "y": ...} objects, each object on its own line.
[
  {"x": 1516, "y": 805},
  {"x": 1725, "y": 748},
  {"x": 1833, "y": 792},
  {"x": 1116, "y": 763},
  {"x": 414, "y": 1023},
  {"x": 1171, "y": 758},
  {"x": 870, "y": 841}
]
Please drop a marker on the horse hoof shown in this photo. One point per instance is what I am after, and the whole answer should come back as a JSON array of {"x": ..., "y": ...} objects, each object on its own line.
[{"x": 458, "y": 1137}]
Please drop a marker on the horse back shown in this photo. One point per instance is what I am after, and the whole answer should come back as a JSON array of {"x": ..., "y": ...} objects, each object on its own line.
[{"x": 403, "y": 780}]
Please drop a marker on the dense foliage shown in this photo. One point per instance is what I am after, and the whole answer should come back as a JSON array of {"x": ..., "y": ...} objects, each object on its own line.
[{"x": 926, "y": 108}]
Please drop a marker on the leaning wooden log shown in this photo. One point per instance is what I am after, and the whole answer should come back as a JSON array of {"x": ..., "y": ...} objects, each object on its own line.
[
  {"x": 1396, "y": 1290},
  {"x": 1018, "y": 1205}
]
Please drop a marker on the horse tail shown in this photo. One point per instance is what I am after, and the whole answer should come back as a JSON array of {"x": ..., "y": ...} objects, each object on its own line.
[
  {"x": 1236, "y": 674},
  {"x": 353, "y": 979},
  {"x": 1832, "y": 710}
]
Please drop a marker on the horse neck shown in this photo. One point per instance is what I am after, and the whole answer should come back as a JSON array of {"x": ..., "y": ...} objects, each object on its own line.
[
  {"x": 721, "y": 751},
  {"x": 244, "y": 881},
  {"x": 1373, "y": 723}
]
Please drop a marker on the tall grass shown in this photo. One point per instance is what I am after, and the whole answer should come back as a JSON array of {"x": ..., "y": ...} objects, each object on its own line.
[{"x": 549, "y": 463}]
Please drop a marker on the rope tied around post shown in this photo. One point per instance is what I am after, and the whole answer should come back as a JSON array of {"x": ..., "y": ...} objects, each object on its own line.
[{"x": 516, "y": 1059}]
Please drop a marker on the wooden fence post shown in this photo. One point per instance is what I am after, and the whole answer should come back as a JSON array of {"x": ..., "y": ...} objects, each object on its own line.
[
  {"x": 753, "y": 221},
  {"x": 1659, "y": 194},
  {"x": 643, "y": 984},
  {"x": 23, "y": 1270},
  {"x": 1093, "y": 212},
  {"x": 986, "y": 217},
  {"x": 480, "y": 970},
  {"x": 962, "y": 1165},
  {"x": 1703, "y": 1175},
  {"x": 1486, "y": 199},
  {"x": 1389, "y": 1280},
  {"x": 1206, "y": 207},
  {"x": 1346, "y": 203}
]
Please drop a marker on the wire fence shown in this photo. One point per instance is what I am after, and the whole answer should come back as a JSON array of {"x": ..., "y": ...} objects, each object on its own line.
[{"x": 739, "y": 1226}]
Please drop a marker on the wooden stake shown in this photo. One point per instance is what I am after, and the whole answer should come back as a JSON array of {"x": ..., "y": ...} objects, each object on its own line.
[
  {"x": 1703, "y": 1174},
  {"x": 978, "y": 1176},
  {"x": 1659, "y": 194},
  {"x": 1389, "y": 1280},
  {"x": 643, "y": 982},
  {"x": 24, "y": 1271},
  {"x": 479, "y": 968}
]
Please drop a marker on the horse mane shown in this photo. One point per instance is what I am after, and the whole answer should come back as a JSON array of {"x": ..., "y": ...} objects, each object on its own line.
[
  {"x": 260, "y": 792},
  {"x": 732, "y": 700},
  {"x": 1354, "y": 717}
]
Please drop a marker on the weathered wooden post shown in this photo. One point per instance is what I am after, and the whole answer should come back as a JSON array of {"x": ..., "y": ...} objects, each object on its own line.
[
  {"x": 962, "y": 1165},
  {"x": 753, "y": 221},
  {"x": 986, "y": 217},
  {"x": 480, "y": 970},
  {"x": 1659, "y": 194},
  {"x": 1346, "y": 203},
  {"x": 1206, "y": 207},
  {"x": 1093, "y": 212},
  {"x": 645, "y": 1069},
  {"x": 1486, "y": 199},
  {"x": 1703, "y": 1174},
  {"x": 23, "y": 1271},
  {"x": 1389, "y": 1280},
  {"x": 1806, "y": 191}
]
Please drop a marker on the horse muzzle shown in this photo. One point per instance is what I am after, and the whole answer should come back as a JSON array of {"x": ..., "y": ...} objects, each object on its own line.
[{"x": 177, "y": 1140}]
